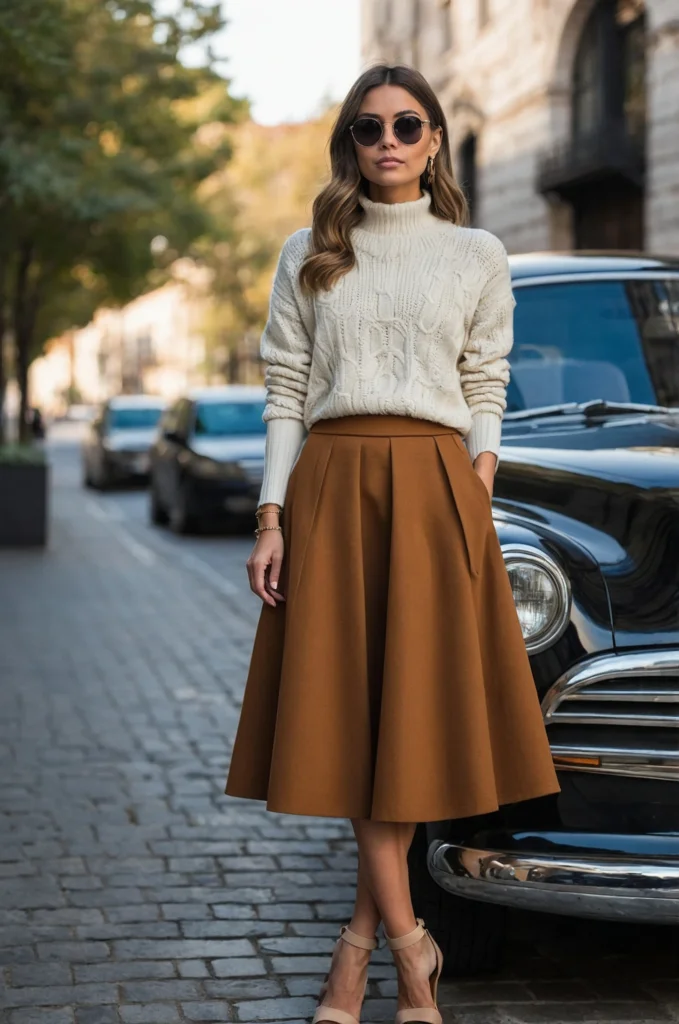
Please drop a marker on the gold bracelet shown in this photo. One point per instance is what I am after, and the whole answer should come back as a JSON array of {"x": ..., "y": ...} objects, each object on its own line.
[
  {"x": 261, "y": 529},
  {"x": 266, "y": 511}
]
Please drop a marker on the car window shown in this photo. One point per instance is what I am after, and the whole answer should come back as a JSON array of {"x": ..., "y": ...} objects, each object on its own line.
[
  {"x": 221, "y": 419},
  {"x": 137, "y": 418},
  {"x": 576, "y": 341},
  {"x": 655, "y": 305}
]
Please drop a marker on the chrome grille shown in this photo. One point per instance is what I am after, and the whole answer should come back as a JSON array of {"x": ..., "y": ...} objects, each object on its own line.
[{"x": 617, "y": 714}]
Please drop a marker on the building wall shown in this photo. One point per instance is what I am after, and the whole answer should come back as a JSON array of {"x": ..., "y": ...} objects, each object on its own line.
[
  {"x": 662, "y": 210},
  {"x": 153, "y": 345},
  {"x": 509, "y": 81},
  {"x": 156, "y": 345}
]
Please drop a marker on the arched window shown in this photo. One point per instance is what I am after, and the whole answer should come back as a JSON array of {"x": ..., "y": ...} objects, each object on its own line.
[
  {"x": 600, "y": 171},
  {"x": 587, "y": 91},
  {"x": 445, "y": 17},
  {"x": 634, "y": 70},
  {"x": 484, "y": 13},
  {"x": 468, "y": 173},
  {"x": 609, "y": 70},
  {"x": 415, "y": 28},
  {"x": 385, "y": 15}
]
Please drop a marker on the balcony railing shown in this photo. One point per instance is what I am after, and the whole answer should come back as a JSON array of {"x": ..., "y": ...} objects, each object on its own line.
[{"x": 610, "y": 151}]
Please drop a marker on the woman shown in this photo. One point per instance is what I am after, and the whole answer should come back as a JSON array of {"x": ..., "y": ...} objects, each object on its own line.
[{"x": 389, "y": 681}]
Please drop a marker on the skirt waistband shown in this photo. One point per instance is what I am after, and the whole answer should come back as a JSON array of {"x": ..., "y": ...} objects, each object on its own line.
[{"x": 377, "y": 425}]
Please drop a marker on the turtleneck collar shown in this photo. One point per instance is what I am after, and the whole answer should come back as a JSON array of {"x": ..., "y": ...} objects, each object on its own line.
[{"x": 411, "y": 218}]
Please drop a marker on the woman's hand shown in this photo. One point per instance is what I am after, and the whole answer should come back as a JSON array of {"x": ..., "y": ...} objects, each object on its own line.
[
  {"x": 264, "y": 564},
  {"x": 484, "y": 465}
]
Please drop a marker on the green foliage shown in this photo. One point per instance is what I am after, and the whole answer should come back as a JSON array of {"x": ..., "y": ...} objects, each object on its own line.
[
  {"x": 264, "y": 194},
  {"x": 100, "y": 151},
  {"x": 22, "y": 455}
]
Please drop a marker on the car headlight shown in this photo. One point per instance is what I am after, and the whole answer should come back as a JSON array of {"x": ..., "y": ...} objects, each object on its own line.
[{"x": 542, "y": 595}]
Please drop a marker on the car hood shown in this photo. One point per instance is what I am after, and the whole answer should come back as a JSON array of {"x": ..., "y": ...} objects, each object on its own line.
[
  {"x": 619, "y": 499},
  {"x": 230, "y": 449},
  {"x": 130, "y": 440}
]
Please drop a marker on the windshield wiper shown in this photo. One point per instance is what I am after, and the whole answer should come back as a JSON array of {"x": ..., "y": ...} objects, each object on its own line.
[
  {"x": 600, "y": 407},
  {"x": 589, "y": 410}
]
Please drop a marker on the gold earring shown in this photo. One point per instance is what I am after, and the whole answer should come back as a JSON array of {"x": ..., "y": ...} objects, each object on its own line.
[{"x": 431, "y": 171}]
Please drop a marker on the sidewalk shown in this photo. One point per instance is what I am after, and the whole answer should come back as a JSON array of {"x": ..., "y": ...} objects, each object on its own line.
[{"x": 131, "y": 890}]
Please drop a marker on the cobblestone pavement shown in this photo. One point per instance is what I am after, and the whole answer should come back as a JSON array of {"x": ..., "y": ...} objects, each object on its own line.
[{"x": 131, "y": 890}]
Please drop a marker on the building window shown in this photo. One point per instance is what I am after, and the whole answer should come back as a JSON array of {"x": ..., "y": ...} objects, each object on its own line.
[
  {"x": 385, "y": 12},
  {"x": 484, "y": 13},
  {"x": 468, "y": 174},
  {"x": 600, "y": 170},
  {"x": 416, "y": 24},
  {"x": 634, "y": 74},
  {"x": 609, "y": 71},
  {"x": 587, "y": 94},
  {"x": 445, "y": 18}
]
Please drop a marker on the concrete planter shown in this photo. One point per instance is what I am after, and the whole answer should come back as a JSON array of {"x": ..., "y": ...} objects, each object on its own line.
[{"x": 23, "y": 504}]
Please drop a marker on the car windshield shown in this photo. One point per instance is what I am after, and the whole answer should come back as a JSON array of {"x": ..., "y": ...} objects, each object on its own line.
[
  {"x": 137, "y": 418},
  {"x": 611, "y": 340},
  {"x": 223, "y": 419}
]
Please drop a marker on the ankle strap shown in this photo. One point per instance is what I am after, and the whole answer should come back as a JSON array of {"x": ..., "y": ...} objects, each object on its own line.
[
  {"x": 401, "y": 941},
  {"x": 354, "y": 939}
]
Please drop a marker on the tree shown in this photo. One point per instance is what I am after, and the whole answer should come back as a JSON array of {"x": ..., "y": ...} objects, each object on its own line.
[
  {"x": 263, "y": 194},
  {"x": 102, "y": 148}
]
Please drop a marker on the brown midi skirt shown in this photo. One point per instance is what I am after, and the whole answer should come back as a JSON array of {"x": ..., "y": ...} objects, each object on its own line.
[{"x": 394, "y": 683}]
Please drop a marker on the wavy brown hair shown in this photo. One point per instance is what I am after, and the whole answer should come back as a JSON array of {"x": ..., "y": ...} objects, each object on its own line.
[{"x": 336, "y": 209}]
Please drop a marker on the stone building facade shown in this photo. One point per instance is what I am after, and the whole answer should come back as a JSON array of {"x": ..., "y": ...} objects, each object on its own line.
[{"x": 564, "y": 114}]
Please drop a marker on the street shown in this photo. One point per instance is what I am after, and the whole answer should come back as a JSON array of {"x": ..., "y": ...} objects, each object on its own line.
[{"x": 132, "y": 891}]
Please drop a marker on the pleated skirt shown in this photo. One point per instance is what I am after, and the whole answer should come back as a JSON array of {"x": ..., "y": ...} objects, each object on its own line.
[{"x": 393, "y": 684}]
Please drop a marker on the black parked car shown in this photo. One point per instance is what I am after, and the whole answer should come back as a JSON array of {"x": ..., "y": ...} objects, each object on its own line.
[
  {"x": 208, "y": 458},
  {"x": 586, "y": 508},
  {"x": 116, "y": 446}
]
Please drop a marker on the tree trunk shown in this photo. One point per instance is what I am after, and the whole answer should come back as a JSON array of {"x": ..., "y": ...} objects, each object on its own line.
[
  {"x": 3, "y": 331},
  {"x": 4, "y": 266},
  {"x": 234, "y": 365},
  {"x": 25, "y": 309}
]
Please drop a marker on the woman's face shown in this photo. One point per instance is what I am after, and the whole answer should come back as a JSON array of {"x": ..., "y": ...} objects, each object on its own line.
[{"x": 390, "y": 161}]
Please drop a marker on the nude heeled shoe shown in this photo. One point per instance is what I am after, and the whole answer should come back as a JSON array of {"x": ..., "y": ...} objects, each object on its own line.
[
  {"x": 421, "y": 1014},
  {"x": 331, "y": 1013}
]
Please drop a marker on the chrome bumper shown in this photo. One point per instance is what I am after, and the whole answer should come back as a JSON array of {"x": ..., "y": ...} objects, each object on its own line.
[{"x": 611, "y": 888}]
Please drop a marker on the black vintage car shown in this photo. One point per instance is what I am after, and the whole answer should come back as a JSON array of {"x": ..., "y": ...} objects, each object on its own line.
[{"x": 586, "y": 508}]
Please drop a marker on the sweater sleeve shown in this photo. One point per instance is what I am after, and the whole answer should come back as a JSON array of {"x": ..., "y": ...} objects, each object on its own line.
[
  {"x": 286, "y": 347},
  {"x": 286, "y": 342},
  {"x": 284, "y": 438},
  {"x": 484, "y": 368}
]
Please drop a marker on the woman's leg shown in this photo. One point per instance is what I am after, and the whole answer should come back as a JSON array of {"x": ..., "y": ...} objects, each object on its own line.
[
  {"x": 366, "y": 917},
  {"x": 383, "y": 851},
  {"x": 382, "y": 893},
  {"x": 346, "y": 981}
]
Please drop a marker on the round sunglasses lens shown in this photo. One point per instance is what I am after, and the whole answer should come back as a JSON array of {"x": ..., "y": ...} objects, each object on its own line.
[
  {"x": 408, "y": 130},
  {"x": 367, "y": 131}
]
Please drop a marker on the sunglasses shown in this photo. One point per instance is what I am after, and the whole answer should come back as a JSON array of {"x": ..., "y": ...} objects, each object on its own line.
[{"x": 367, "y": 131}]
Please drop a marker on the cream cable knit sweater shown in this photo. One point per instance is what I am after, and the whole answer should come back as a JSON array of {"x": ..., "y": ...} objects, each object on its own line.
[{"x": 421, "y": 326}]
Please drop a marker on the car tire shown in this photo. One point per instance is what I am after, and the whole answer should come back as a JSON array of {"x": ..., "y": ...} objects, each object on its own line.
[
  {"x": 157, "y": 511},
  {"x": 471, "y": 934},
  {"x": 101, "y": 478},
  {"x": 180, "y": 519},
  {"x": 86, "y": 476}
]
